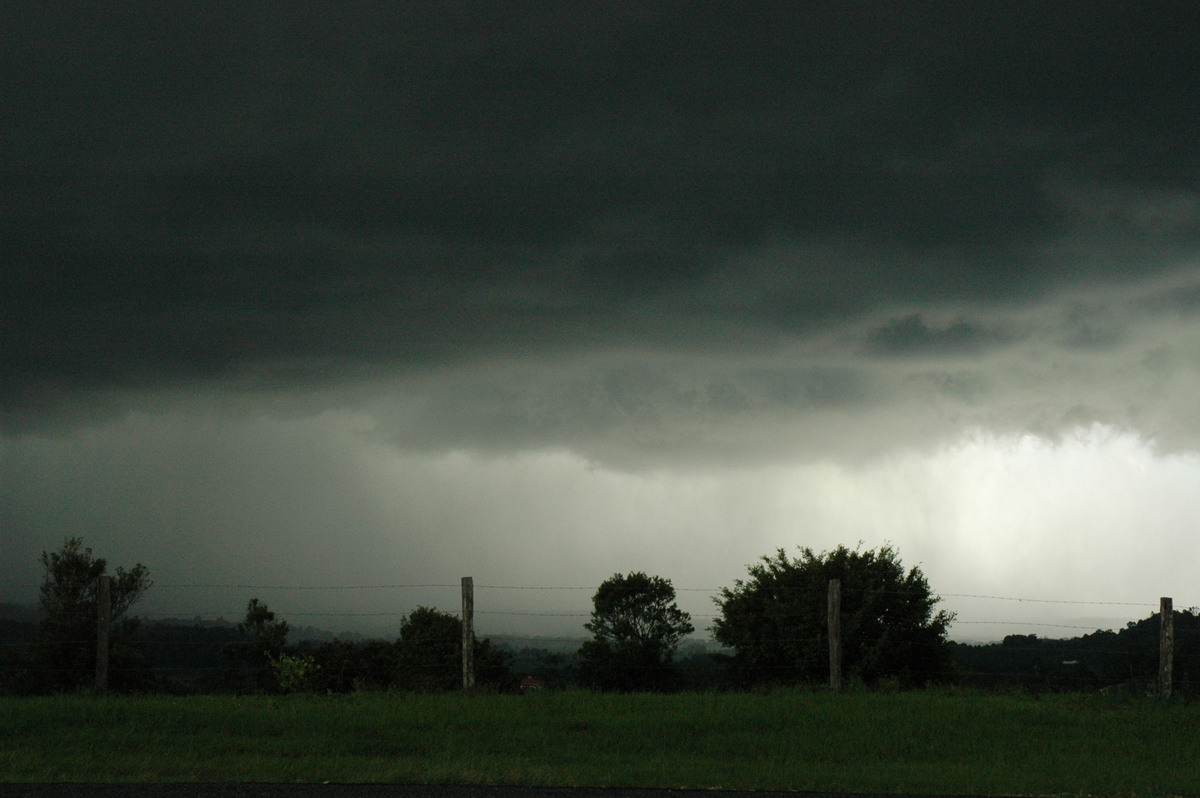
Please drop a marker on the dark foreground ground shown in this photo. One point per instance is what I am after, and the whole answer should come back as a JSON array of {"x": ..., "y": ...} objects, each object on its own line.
[{"x": 256, "y": 790}]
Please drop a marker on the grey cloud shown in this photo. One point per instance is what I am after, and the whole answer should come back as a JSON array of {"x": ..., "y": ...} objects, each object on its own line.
[
  {"x": 910, "y": 335},
  {"x": 680, "y": 405},
  {"x": 1109, "y": 355},
  {"x": 808, "y": 388},
  {"x": 273, "y": 196},
  {"x": 968, "y": 386},
  {"x": 1088, "y": 328},
  {"x": 408, "y": 290},
  {"x": 726, "y": 397},
  {"x": 1178, "y": 300}
]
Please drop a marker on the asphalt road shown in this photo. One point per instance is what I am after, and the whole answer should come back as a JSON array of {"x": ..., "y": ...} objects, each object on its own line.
[{"x": 257, "y": 790}]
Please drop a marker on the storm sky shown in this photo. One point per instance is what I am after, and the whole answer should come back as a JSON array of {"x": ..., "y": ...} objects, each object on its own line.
[{"x": 352, "y": 295}]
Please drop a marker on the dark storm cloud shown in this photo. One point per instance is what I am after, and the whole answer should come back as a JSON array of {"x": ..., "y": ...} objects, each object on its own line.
[
  {"x": 412, "y": 290},
  {"x": 522, "y": 409},
  {"x": 294, "y": 194},
  {"x": 911, "y": 335}
]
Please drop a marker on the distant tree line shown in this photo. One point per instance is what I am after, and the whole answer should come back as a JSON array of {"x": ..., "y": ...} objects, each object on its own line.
[
  {"x": 57, "y": 653},
  {"x": 427, "y": 657},
  {"x": 1122, "y": 660},
  {"x": 771, "y": 627}
]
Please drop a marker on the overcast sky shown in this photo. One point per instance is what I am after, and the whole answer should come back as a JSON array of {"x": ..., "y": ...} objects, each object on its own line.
[{"x": 354, "y": 294}]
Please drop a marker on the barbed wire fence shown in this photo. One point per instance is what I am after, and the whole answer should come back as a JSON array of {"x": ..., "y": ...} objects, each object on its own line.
[{"x": 499, "y": 612}]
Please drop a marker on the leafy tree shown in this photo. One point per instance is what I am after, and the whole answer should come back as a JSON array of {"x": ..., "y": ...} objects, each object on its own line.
[
  {"x": 345, "y": 666},
  {"x": 776, "y": 621},
  {"x": 63, "y": 653},
  {"x": 247, "y": 663},
  {"x": 261, "y": 630},
  {"x": 295, "y": 672},
  {"x": 431, "y": 655},
  {"x": 430, "y": 650},
  {"x": 636, "y": 628}
]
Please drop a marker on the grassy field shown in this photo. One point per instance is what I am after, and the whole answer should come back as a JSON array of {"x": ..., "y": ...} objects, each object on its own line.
[{"x": 920, "y": 742}]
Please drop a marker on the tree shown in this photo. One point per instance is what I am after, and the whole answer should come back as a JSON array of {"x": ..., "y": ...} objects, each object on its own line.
[
  {"x": 247, "y": 663},
  {"x": 776, "y": 621},
  {"x": 296, "y": 672},
  {"x": 430, "y": 655},
  {"x": 636, "y": 628},
  {"x": 344, "y": 666},
  {"x": 430, "y": 650},
  {"x": 63, "y": 654}
]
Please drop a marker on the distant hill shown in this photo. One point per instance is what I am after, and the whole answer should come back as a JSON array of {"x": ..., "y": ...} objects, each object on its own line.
[
  {"x": 15, "y": 634},
  {"x": 1102, "y": 660},
  {"x": 26, "y": 613}
]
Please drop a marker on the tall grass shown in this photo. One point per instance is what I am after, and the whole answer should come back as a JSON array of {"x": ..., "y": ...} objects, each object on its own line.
[{"x": 921, "y": 742}]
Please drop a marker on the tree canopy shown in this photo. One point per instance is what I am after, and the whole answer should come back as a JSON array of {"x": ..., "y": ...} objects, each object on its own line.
[
  {"x": 430, "y": 650},
  {"x": 69, "y": 583},
  {"x": 636, "y": 628},
  {"x": 63, "y": 654},
  {"x": 776, "y": 620},
  {"x": 246, "y": 663},
  {"x": 430, "y": 655}
]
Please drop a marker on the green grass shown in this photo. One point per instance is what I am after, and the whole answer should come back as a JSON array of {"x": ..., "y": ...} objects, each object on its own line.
[{"x": 920, "y": 742}]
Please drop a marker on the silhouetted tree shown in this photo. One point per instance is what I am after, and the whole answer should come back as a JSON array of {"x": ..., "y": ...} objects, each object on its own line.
[
  {"x": 346, "y": 666},
  {"x": 636, "y": 628},
  {"x": 62, "y": 655},
  {"x": 246, "y": 663},
  {"x": 430, "y": 650},
  {"x": 776, "y": 621},
  {"x": 430, "y": 654}
]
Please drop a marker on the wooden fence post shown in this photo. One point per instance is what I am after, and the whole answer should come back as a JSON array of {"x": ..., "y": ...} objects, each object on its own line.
[
  {"x": 834, "y": 621},
  {"x": 1166, "y": 647},
  {"x": 468, "y": 634},
  {"x": 103, "y": 618}
]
